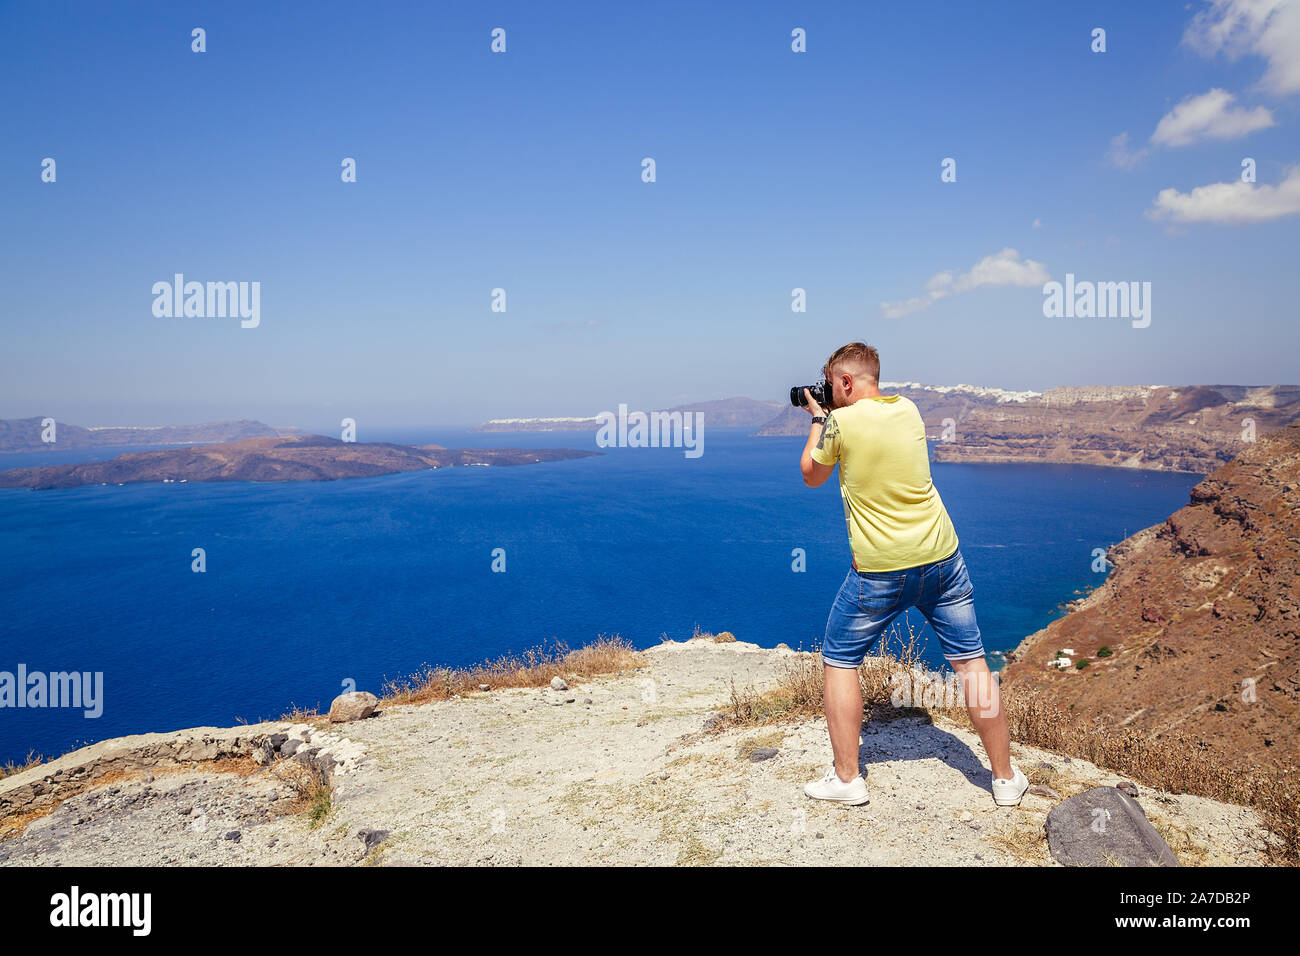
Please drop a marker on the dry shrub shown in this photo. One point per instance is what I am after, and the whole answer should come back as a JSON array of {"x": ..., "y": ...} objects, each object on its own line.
[
  {"x": 798, "y": 693},
  {"x": 533, "y": 668},
  {"x": 11, "y": 768},
  {"x": 313, "y": 793}
]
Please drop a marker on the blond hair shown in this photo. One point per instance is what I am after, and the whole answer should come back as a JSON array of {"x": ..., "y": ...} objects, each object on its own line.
[{"x": 857, "y": 355}]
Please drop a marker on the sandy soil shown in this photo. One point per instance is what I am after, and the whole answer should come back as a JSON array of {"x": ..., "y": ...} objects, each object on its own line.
[{"x": 617, "y": 771}]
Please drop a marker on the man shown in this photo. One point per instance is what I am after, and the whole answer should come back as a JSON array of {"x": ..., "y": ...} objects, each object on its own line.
[{"x": 905, "y": 554}]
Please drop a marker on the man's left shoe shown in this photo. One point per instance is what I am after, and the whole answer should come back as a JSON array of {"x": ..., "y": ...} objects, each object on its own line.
[
  {"x": 1008, "y": 793},
  {"x": 831, "y": 787}
]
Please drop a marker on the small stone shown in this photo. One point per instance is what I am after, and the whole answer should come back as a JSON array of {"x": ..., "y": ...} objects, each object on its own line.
[
  {"x": 763, "y": 753},
  {"x": 354, "y": 706},
  {"x": 233, "y": 836},
  {"x": 819, "y": 836},
  {"x": 966, "y": 816},
  {"x": 372, "y": 838},
  {"x": 587, "y": 700},
  {"x": 1129, "y": 787},
  {"x": 557, "y": 683},
  {"x": 484, "y": 687},
  {"x": 570, "y": 700},
  {"x": 1042, "y": 790}
]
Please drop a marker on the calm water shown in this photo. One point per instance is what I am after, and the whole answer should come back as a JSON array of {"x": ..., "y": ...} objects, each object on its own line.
[{"x": 310, "y": 584}]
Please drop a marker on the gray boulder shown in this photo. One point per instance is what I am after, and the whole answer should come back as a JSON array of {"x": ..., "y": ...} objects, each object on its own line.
[
  {"x": 1104, "y": 826},
  {"x": 354, "y": 706}
]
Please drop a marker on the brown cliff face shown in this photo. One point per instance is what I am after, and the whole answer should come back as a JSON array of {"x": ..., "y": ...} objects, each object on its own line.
[
  {"x": 1201, "y": 616},
  {"x": 1188, "y": 428}
]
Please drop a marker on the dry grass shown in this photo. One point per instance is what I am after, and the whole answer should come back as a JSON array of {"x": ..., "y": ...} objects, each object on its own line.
[
  {"x": 533, "y": 668},
  {"x": 1173, "y": 762},
  {"x": 313, "y": 793},
  {"x": 798, "y": 693},
  {"x": 11, "y": 768},
  {"x": 301, "y": 715},
  {"x": 1024, "y": 841}
]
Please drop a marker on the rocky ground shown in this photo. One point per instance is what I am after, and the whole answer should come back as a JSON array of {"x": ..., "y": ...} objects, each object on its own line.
[{"x": 617, "y": 771}]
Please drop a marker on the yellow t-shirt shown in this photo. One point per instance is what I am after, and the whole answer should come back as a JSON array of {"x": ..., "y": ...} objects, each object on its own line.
[{"x": 895, "y": 516}]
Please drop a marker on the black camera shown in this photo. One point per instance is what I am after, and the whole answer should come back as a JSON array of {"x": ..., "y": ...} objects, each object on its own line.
[{"x": 821, "y": 393}]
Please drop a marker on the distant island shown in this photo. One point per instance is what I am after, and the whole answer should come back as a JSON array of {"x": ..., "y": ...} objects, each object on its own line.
[
  {"x": 1186, "y": 428},
  {"x": 722, "y": 413},
  {"x": 275, "y": 458},
  {"x": 27, "y": 434}
]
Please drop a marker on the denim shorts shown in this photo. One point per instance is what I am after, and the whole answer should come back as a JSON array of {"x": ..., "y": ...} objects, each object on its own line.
[{"x": 869, "y": 601}]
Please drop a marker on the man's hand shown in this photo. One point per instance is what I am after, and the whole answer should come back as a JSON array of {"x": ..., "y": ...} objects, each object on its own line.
[{"x": 813, "y": 408}]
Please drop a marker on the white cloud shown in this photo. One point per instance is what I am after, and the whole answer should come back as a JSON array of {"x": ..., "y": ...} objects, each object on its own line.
[
  {"x": 1120, "y": 155},
  {"x": 1265, "y": 28},
  {"x": 1002, "y": 268},
  {"x": 1230, "y": 204},
  {"x": 1209, "y": 116}
]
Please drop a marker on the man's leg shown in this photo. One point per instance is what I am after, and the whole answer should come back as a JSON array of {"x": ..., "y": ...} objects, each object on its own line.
[
  {"x": 843, "y": 700},
  {"x": 984, "y": 704}
]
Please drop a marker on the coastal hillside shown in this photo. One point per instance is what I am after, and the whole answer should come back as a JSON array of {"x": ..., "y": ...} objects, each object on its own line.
[
  {"x": 26, "y": 434},
  {"x": 1188, "y": 428},
  {"x": 1196, "y": 629},
  {"x": 638, "y": 766},
  {"x": 296, "y": 458}
]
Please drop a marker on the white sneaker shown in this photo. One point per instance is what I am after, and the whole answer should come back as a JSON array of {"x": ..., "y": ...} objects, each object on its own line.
[
  {"x": 1008, "y": 793},
  {"x": 831, "y": 787}
]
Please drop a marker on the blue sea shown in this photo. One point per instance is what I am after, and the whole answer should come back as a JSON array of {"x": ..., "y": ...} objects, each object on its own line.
[{"x": 310, "y": 585}]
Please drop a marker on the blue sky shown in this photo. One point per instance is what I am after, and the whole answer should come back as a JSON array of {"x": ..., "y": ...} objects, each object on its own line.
[{"x": 522, "y": 170}]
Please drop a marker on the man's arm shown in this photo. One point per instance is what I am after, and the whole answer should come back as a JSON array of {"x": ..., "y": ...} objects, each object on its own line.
[{"x": 814, "y": 472}]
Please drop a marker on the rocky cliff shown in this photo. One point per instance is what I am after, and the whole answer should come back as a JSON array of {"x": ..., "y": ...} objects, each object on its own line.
[
  {"x": 1197, "y": 627},
  {"x": 1192, "y": 429}
]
